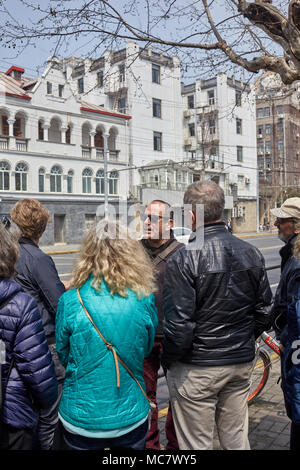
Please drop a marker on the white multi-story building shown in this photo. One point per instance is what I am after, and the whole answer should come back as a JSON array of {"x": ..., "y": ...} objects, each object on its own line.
[
  {"x": 144, "y": 84},
  {"x": 52, "y": 148},
  {"x": 220, "y": 137}
]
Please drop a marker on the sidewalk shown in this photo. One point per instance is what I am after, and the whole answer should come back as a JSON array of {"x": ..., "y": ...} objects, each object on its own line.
[
  {"x": 69, "y": 248},
  {"x": 269, "y": 427}
]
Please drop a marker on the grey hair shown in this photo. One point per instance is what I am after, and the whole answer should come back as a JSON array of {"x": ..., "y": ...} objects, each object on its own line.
[
  {"x": 208, "y": 193},
  {"x": 9, "y": 251}
]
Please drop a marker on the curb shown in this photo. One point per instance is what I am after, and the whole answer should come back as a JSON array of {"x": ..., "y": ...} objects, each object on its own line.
[{"x": 67, "y": 252}]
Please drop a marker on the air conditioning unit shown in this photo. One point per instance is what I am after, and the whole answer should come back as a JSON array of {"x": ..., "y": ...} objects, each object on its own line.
[
  {"x": 247, "y": 180},
  {"x": 280, "y": 116},
  {"x": 187, "y": 112},
  {"x": 268, "y": 152},
  {"x": 188, "y": 141},
  {"x": 260, "y": 136}
]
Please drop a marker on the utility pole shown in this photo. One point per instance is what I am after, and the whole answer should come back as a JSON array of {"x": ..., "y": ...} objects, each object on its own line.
[
  {"x": 105, "y": 137},
  {"x": 203, "y": 140}
]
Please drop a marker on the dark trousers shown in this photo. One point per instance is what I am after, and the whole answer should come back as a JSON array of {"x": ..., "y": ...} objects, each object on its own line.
[
  {"x": 133, "y": 440},
  {"x": 16, "y": 439},
  {"x": 48, "y": 418},
  {"x": 151, "y": 368},
  {"x": 295, "y": 437}
]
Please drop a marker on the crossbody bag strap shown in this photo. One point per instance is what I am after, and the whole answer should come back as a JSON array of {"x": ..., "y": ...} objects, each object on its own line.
[
  {"x": 111, "y": 348},
  {"x": 163, "y": 255}
]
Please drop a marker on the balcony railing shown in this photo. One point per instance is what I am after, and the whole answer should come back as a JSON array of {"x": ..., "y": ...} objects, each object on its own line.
[
  {"x": 4, "y": 143},
  {"x": 86, "y": 151},
  {"x": 21, "y": 145}
]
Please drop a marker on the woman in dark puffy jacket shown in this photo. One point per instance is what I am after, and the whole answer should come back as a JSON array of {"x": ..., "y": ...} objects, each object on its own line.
[{"x": 32, "y": 383}]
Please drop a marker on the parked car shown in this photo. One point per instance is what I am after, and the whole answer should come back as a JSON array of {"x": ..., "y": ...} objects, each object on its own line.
[{"x": 182, "y": 234}]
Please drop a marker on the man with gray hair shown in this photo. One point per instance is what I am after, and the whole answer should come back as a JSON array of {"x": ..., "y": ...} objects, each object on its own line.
[{"x": 217, "y": 300}]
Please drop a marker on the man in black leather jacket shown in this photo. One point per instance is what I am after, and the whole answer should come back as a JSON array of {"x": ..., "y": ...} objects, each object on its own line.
[{"x": 217, "y": 300}]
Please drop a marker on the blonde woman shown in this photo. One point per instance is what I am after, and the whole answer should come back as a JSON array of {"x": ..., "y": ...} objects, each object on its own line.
[{"x": 109, "y": 313}]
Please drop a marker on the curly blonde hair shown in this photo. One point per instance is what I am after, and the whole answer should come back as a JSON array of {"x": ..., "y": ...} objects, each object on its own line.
[
  {"x": 108, "y": 253},
  {"x": 296, "y": 250}
]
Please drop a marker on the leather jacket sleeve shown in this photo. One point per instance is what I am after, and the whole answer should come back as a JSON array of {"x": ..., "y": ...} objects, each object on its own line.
[
  {"x": 179, "y": 303},
  {"x": 263, "y": 306}
]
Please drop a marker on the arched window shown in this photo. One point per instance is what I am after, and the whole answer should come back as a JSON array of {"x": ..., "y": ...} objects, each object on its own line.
[
  {"x": 113, "y": 182},
  {"x": 100, "y": 182},
  {"x": 4, "y": 176},
  {"x": 56, "y": 179},
  {"x": 21, "y": 171},
  {"x": 41, "y": 180},
  {"x": 70, "y": 181},
  {"x": 98, "y": 139},
  {"x": 87, "y": 180}
]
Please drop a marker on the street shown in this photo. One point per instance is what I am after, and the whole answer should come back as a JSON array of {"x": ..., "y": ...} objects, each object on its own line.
[{"x": 268, "y": 423}]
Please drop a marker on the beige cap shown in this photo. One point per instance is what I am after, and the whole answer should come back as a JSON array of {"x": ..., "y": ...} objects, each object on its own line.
[{"x": 290, "y": 208}]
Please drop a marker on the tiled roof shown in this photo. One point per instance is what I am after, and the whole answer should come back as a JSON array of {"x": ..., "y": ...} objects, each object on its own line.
[{"x": 13, "y": 87}]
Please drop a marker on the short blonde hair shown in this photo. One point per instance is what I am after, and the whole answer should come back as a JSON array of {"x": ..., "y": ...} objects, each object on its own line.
[
  {"x": 9, "y": 251},
  {"x": 31, "y": 217},
  {"x": 108, "y": 252}
]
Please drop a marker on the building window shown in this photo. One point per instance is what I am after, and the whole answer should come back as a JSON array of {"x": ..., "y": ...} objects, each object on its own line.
[
  {"x": 280, "y": 109},
  {"x": 239, "y": 153},
  {"x": 260, "y": 112},
  {"x": 21, "y": 171},
  {"x": 60, "y": 91},
  {"x": 238, "y": 126},
  {"x": 17, "y": 128},
  {"x": 100, "y": 182},
  {"x": 212, "y": 126},
  {"x": 157, "y": 141},
  {"x": 41, "y": 131},
  {"x": 156, "y": 107},
  {"x": 268, "y": 146},
  {"x": 41, "y": 180},
  {"x": 211, "y": 97},
  {"x": 4, "y": 176},
  {"x": 191, "y": 101},
  {"x": 70, "y": 181},
  {"x": 261, "y": 163},
  {"x": 5, "y": 126},
  {"x": 68, "y": 135},
  {"x": 260, "y": 131},
  {"x": 122, "y": 105},
  {"x": 280, "y": 125},
  {"x": 155, "y": 73},
  {"x": 80, "y": 85},
  {"x": 267, "y": 112},
  {"x": 122, "y": 73},
  {"x": 87, "y": 181},
  {"x": 238, "y": 98},
  {"x": 90, "y": 220},
  {"x": 56, "y": 179},
  {"x": 268, "y": 129},
  {"x": 100, "y": 78},
  {"x": 49, "y": 88},
  {"x": 268, "y": 162},
  {"x": 192, "y": 130},
  {"x": 261, "y": 148},
  {"x": 113, "y": 180},
  {"x": 280, "y": 144}
]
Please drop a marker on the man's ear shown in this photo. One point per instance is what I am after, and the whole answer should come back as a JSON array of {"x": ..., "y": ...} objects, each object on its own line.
[
  {"x": 171, "y": 222},
  {"x": 193, "y": 219}
]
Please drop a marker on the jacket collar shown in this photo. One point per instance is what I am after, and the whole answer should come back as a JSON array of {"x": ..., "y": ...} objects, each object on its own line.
[
  {"x": 215, "y": 227},
  {"x": 26, "y": 241}
]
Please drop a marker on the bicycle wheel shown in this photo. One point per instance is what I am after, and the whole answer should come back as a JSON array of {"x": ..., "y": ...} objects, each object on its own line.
[{"x": 260, "y": 375}]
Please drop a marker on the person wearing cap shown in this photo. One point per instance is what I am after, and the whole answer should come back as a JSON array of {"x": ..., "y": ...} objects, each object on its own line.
[
  {"x": 286, "y": 309},
  {"x": 288, "y": 225}
]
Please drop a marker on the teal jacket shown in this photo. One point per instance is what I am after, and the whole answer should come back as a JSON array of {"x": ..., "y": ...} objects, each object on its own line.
[{"x": 91, "y": 399}]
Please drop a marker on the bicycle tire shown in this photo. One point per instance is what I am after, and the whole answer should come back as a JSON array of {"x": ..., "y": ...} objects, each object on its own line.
[{"x": 259, "y": 376}]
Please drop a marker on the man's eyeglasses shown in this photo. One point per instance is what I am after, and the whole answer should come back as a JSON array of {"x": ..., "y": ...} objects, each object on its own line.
[
  {"x": 5, "y": 221},
  {"x": 155, "y": 218}
]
